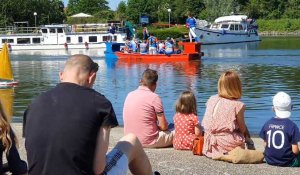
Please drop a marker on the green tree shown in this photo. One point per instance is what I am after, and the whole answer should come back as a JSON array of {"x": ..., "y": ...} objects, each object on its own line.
[
  {"x": 217, "y": 8},
  {"x": 183, "y": 7},
  {"x": 87, "y": 6},
  {"x": 120, "y": 13},
  {"x": 292, "y": 9},
  {"x": 23, "y": 10}
]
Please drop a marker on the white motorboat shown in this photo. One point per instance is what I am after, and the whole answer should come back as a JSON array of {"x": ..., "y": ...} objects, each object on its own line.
[
  {"x": 60, "y": 36},
  {"x": 228, "y": 29}
]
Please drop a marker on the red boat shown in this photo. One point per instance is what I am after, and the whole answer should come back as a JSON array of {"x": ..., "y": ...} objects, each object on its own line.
[{"x": 191, "y": 51}]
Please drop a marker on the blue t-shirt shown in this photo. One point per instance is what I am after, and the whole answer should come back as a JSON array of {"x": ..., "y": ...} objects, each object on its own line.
[
  {"x": 132, "y": 46},
  {"x": 280, "y": 134},
  {"x": 152, "y": 41},
  {"x": 191, "y": 22}
]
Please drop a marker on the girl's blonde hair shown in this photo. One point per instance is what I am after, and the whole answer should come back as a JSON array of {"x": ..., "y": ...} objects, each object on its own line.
[
  {"x": 230, "y": 86},
  {"x": 186, "y": 103},
  {"x": 5, "y": 130}
]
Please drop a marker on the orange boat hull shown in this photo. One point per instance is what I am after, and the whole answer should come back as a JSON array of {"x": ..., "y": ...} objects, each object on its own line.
[
  {"x": 191, "y": 51},
  {"x": 158, "y": 57}
]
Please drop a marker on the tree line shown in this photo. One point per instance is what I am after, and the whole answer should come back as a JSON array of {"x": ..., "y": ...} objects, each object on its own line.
[
  {"x": 208, "y": 10},
  {"x": 54, "y": 11}
]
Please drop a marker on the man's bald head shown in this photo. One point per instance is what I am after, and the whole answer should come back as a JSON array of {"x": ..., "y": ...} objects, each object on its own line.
[
  {"x": 81, "y": 62},
  {"x": 78, "y": 69}
]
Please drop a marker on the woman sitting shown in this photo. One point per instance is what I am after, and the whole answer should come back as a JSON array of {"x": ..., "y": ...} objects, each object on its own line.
[
  {"x": 8, "y": 146},
  {"x": 223, "y": 121}
]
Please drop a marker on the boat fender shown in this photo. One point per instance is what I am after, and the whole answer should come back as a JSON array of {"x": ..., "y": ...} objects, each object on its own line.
[
  {"x": 9, "y": 47},
  {"x": 223, "y": 31},
  {"x": 66, "y": 46},
  {"x": 86, "y": 45}
]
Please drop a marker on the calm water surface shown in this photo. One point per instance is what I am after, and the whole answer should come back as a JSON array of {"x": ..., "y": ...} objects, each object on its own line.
[{"x": 265, "y": 68}]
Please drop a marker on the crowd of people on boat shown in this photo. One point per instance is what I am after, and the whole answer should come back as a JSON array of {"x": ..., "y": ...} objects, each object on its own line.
[
  {"x": 151, "y": 46},
  {"x": 67, "y": 128}
]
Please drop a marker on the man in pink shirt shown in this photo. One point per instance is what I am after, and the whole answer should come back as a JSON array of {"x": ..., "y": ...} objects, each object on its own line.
[{"x": 143, "y": 114}]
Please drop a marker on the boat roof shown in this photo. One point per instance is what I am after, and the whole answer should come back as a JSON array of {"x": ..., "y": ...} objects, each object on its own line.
[
  {"x": 55, "y": 25},
  {"x": 231, "y": 18}
]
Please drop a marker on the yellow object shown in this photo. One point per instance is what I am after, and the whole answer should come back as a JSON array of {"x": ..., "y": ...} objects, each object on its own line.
[
  {"x": 6, "y": 72},
  {"x": 7, "y": 99}
]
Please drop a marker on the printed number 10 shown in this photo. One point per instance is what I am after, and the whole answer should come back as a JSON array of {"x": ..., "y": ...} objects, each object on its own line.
[{"x": 272, "y": 136}]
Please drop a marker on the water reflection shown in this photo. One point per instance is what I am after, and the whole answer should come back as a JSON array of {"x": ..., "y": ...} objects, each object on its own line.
[
  {"x": 7, "y": 98},
  {"x": 263, "y": 70},
  {"x": 232, "y": 50}
]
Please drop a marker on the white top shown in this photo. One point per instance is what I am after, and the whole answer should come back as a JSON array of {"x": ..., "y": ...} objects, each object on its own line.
[{"x": 232, "y": 18}]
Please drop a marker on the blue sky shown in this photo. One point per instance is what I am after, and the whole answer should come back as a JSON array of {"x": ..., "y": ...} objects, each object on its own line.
[{"x": 112, "y": 3}]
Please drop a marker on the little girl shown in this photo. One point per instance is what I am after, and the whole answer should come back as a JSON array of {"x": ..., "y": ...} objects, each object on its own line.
[
  {"x": 186, "y": 121},
  {"x": 8, "y": 145}
]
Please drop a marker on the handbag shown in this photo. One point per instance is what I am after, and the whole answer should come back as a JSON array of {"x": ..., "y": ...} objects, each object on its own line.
[{"x": 198, "y": 145}]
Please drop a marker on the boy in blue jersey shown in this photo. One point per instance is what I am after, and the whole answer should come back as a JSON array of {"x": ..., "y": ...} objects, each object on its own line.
[
  {"x": 152, "y": 44},
  {"x": 191, "y": 25},
  {"x": 281, "y": 135}
]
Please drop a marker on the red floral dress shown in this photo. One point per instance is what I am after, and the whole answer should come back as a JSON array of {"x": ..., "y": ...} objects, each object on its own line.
[{"x": 184, "y": 130}]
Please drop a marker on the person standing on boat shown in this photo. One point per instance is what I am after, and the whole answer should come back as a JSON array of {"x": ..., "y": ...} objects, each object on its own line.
[
  {"x": 191, "y": 25},
  {"x": 145, "y": 33},
  {"x": 152, "y": 43},
  {"x": 112, "y": 31}
]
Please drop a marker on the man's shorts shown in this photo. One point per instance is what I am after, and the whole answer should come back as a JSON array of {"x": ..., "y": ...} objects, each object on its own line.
[
  {"x": 165, "y": 139},
  {"x": 152, "y": 50},
  {"x": 116, "y": 163}
]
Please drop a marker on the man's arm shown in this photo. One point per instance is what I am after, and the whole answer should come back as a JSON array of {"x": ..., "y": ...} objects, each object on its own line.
[
  {"x": 101, "y": 149},
  {"x": 162, "y": 122}
]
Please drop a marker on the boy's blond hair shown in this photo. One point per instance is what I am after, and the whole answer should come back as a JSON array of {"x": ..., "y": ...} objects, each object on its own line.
[{"x": 230, "y": 86}]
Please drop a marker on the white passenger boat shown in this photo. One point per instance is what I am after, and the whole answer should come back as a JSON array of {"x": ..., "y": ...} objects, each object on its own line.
[
  {"x": 59, "y": 36},
  {"x": 228, "y": 29}
]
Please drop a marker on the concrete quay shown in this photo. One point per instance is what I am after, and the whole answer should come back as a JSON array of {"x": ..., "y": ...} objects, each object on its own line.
[{"x": 172, "y": 162}]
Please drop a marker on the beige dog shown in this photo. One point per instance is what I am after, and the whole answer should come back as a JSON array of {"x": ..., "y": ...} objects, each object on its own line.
[{"x": 242, "y": 156}]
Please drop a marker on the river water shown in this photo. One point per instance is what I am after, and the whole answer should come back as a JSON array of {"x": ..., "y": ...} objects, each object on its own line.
[{"x": 265, "y": 68}]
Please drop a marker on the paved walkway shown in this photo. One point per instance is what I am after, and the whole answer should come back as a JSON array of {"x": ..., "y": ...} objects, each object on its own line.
[{"x": 172, "y": 162}]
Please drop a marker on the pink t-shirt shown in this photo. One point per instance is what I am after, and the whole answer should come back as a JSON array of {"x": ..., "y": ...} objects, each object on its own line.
[
  {"x": 221, "y": 132},
  {"x": 184, "y": 130},
  {"x": 139, "y": 114}
]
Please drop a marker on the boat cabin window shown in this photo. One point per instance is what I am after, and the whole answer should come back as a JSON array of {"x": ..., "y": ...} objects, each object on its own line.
[
  {"x": 8, "y": 40},
  {"x": 224, "y": 26},
  {"x": 80, "y": 39},
  {"x": 23, "y": 40},
  {"x": 236, "y": 27},
  {"x": 214, "y": 26},
  {"x": 231, "y": 27},
  {"x": 36, "y": 40},
  {"x": 52, "y": 30},
  {"x": 60, "y": 30},
  {"x": 241, "y": 27},
  {"x": 44, "y": 31},
  {"x": 92, "y": 39},
  {"x": 68, "y": 39}
]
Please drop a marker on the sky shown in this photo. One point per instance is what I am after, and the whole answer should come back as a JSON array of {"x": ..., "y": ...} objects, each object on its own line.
[{"x": 112, "y": 3}]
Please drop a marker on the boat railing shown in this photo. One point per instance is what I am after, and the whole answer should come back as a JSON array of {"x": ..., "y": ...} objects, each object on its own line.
[
  {"x": 94, "y": 28},
  {"x": 18, "y": 30}
]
